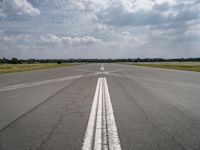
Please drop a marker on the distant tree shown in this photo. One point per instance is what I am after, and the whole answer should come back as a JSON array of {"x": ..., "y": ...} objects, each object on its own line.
[
  {"x": 59, "y": 62},
  {"x": 14, "y": 61},
  {"x": 1, "y": 61},
  {"x": 71, "y": 60},
  {"x": 6, "y": 61},
  {"x": 20, "y": 61},
  {"x": 30, "y": 61}
]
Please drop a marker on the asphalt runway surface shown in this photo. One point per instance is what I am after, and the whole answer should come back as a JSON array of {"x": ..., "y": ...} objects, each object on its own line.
[{"x": 101, "y": 107}]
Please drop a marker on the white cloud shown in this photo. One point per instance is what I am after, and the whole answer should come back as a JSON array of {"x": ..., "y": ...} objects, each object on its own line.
[
  {"x": 97, "y": 5},
  {"x": 14, "y": 38},
  {"x": 136, "y": 5},
  {"x": 193, "y": 29},
  {"x": 151, "y": 12},
  {"x": 124, "y": 34},
  {"x": 17, "y": 7},
  {"x": 1, "y": 32},
  {"x": 125, "y": 38},
  {"x": 125, "y": 28},
  {"x": 170, "y": 13},
  {"x": 77, "y": 4},
  {"x": 101, "y": 27},
  {"x": 76, "y": 41},
  {"x": 128, "y": 5}
]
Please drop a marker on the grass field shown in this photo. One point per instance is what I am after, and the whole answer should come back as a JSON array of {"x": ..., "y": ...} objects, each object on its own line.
[
  {"x": 9, "y": 68},
  {"x": 188, "y": 66}
]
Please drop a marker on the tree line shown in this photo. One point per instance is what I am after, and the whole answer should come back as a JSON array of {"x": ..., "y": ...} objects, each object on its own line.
[{"x": 59, "y": 61}]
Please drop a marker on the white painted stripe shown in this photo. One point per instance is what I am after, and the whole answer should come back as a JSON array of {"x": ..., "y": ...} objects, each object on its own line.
[
  {"x": 13, "y": 87},
  {"x": 19, "y": 86},
  {"x": 98, "y": 133},
  {"x": 113, "y": 138},
  {"x": 88, "y": 139},
  {"x": 102, "y": 67},
  {"x": 104, "y": 123},
  {"x": 101, "y": 132}
]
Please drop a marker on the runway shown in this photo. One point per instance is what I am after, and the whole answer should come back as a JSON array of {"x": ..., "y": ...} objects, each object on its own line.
[{"x": 100, "y": 106}]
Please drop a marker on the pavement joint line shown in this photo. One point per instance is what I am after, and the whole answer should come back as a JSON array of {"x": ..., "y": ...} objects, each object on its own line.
[
  {"x": 25, "y": 85},
  {"x": 101, "y": 132}
]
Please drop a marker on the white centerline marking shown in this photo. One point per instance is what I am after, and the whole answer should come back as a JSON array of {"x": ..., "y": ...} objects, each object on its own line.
[
  {"x": 104, "y": 124},
  {"x": 113, "y": 138},
  {"x": 87, "y": 144},
  {"x": 102, "y": 67},
  {"x": 98, "y": 133},
  {"x": 101, "y": 132}
]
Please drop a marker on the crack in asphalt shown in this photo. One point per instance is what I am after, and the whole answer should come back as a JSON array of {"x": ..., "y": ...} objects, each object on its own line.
[
  {"x": 156, "y": 128},
  {"x": 55, "y": 126},
  {"x": 170, "y": 106},
  {"x": 43, "y": 102},
  {"x": 66, "y": 107}
]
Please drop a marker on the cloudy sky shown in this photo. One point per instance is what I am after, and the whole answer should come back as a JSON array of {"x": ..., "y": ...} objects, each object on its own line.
[{"x": 99, "y": 28}]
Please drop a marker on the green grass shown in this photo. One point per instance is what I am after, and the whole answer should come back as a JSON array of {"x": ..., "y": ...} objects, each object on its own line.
[
  {"x": 9, "y": 68},
  {"x": 188, "y": 66}
]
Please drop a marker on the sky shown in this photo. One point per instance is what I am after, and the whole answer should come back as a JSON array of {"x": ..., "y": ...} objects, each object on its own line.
[{"x": 99, "y": 28}]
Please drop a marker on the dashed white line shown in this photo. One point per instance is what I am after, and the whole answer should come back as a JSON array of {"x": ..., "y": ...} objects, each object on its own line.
[
  {"x": 102, "y": 67},
  {"x": 101, "y": 132}
]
